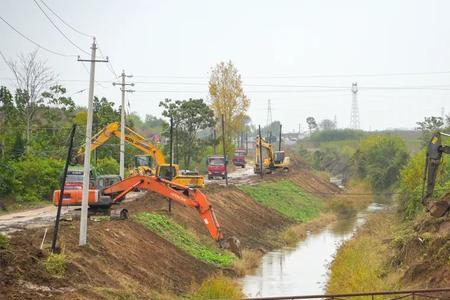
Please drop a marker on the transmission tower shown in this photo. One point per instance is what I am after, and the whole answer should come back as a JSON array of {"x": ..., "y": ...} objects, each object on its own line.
[
  {"x": 269, "y": 121},
  {"x": 354, "y": 117}
]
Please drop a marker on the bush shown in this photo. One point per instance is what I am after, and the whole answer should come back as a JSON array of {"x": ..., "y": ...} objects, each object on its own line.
[
  {"x": 379, "y": 159},
  {"x": 4, "y": 241},
  {"x": 6, "y": 179},
  {"x": 410, "y": 184},
  {"x": 36, "y": 178},
  {"x": 219, "y": 287},
  {"x": 55, "y": 264},
  {"x": 107, "y": 166}
]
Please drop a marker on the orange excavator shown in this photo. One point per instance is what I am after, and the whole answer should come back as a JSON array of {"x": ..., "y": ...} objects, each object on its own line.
[{"x": 109, "y": 195}]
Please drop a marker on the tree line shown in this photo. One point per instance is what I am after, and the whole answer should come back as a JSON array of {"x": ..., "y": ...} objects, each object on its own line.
[{"x": 36, "y": 117}]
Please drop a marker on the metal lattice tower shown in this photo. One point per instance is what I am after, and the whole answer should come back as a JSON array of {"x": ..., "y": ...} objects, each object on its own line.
[
  {"x": 354, "y": 117},
  {"x": 269, "y": 119}
]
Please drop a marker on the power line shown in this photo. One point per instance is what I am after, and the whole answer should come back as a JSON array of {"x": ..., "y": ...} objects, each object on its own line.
[
  {"x": 308, "y": 75},
  {"x": 65, "y": 23},
  {"x": 36, "y": 44},
  {"x": 59, "y": 30},
  {"x": 109, "y": 64}
]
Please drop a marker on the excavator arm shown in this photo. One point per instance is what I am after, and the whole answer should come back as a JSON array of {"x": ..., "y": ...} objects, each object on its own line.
[
  {"x": 131, "y": 137},
  {"x": 179, "y": 193},
  {"x": 267, "y": 147},
  {"x": 433, "y": 160}
]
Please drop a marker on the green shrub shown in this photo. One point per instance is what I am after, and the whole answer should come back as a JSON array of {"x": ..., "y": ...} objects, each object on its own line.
[
  {"x": 379, "y": 159},
  {"x": 4, "y": 241},
  {"x": 180, "y": 237},
  {"x": 36, "y": 178},
  {"x": 55, "y": 264},
  {"x": 6, "y": 179},
  {"x": 107, "y": 166},
  {"x": 410, "y": 184},
  {"x": 287, "y": 198},
  {"x": 220, "y": 287}
]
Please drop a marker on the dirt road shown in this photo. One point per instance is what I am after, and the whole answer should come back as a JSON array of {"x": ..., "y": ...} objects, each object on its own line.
[
  {"x": 46, "y": 215},
  {"x": 43, "y": 216}
]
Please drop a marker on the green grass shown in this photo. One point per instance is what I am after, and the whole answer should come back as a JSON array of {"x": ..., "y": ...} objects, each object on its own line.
[
  {"x": 4, "y": 241},
  {"x": 219, "y": 287},
  {"x": 180, "y": 237},
  {"x": 287, "y": 198},
  {"x": 55, "y": 264}
]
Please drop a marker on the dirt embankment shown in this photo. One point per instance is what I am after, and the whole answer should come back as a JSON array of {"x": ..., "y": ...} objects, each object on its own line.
[
  {"x": 422, "y": 252},
  {"x": 124, "y": 256}
]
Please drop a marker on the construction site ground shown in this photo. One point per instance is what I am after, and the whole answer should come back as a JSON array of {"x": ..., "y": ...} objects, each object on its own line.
[{"x": 125, "y": 256}]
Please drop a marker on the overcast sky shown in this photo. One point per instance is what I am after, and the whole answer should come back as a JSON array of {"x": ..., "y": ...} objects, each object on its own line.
[{"x": 171, "y": 46}]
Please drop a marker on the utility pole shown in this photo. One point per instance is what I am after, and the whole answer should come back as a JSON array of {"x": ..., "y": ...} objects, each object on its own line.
[
  {"x": 261, "y": 167},
  {"x": 122, "y": 120},
  {"x": 87, "y": 150},
  {"x": 224, "y": 152},
  {"x": 214, "y": 138},
  {"x": 279, "y": 139}
]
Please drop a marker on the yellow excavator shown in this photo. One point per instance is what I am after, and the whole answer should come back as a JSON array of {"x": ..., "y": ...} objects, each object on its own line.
[
  {"x": 272, "y": 160},
  {"x": 152, "y": 163}
]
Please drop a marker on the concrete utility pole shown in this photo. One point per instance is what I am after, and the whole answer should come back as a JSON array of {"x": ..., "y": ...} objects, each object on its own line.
[
  {"x": 87, "y": 150},
  {"x": 122, "y": 121}
]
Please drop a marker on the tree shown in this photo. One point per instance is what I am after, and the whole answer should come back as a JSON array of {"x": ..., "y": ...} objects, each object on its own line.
[
  {"x": 228, "y": 98},
  {"x": 32, "y": 76},
  {"x": 312, "y": 125},
  {"x": 379, "y": 159},
  {"x": 189, "y": 117},
  {"x": 428, "y": 126},
  {"x": 327, "y": 124}
]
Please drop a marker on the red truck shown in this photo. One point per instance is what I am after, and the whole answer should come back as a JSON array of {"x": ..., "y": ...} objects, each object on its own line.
[
  {"x": 216, "y": 166},
  {"x": 239, "y": 158}
]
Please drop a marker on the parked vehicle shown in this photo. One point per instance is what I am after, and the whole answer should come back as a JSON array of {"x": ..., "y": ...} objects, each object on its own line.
[
  {"x": 239, "y": 158},
  {"x": 216, "y": 166}
]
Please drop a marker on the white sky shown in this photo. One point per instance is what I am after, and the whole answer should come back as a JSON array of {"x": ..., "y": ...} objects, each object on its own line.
[{"x": 270, "y": 42}]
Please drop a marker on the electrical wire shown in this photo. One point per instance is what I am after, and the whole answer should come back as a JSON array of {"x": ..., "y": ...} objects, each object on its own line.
[
  {"x": 108, "y": 64},
  {"x": 65, "y": 23},
  {"x": 59, "y": 30},
  {"x": 87, "y": 71},
  {"x": 308, "y": 75},
  {"x": 33, "y": 42}
]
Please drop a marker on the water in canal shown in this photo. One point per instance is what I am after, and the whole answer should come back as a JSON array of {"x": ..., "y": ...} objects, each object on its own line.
[{"x": 303, "y": 269}]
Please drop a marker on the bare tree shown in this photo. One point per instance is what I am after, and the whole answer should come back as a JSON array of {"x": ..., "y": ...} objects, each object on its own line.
[{"x": 33, "y": 76}]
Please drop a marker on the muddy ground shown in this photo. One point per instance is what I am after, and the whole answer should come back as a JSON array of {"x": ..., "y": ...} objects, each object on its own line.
[{"x": 125, "y": 256}]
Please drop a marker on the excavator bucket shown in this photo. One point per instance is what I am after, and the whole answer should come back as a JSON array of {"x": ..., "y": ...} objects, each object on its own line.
[{"x": 232, "y": 244}]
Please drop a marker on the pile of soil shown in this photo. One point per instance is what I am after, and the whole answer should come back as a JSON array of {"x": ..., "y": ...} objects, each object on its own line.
[
  {"x": 423, "y": 252},
  {"x": 125, "y": 256}
]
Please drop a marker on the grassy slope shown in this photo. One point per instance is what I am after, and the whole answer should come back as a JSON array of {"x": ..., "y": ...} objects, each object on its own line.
[
  {"x": 287, "y": 198},
  {"x": 180, "y": 237},
  {"x": 362, "y": 263}
]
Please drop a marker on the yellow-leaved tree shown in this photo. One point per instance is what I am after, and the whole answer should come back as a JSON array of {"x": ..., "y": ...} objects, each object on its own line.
[{"x": 228, "y": 98}]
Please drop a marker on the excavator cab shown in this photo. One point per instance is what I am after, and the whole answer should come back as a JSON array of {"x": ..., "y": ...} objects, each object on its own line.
[
  {"x": 279, "y": 157},
  {"x": 143, "y": 165},
  {"x": 167, "y": 172}
]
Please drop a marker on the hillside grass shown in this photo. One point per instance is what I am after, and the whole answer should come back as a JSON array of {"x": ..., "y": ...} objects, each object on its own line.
[
  {"x": 180, "y": 237},
  {"x": 287, "y": 198},
  {"x": 362, "y": 263}
]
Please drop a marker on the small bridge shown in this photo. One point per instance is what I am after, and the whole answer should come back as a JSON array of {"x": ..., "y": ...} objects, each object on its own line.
[{"x": 424, "y": 294}]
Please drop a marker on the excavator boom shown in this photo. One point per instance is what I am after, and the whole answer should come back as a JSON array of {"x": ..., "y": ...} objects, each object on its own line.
[
  {"x": 433, "y": 160},
  {"x": 186, "y": 196}
]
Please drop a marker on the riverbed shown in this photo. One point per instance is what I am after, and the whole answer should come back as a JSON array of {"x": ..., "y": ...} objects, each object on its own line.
[{"x": 303, "y": 269}]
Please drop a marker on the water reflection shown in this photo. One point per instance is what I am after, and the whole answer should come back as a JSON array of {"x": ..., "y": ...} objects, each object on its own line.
[{"x": 303, "y": 269}]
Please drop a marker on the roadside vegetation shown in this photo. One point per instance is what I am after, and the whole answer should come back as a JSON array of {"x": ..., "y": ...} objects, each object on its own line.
[
  {"x": 219, "y": 287},
  {"x": 287, "y": 198},
  {"x": 361, "y": 264},
  {"x": 177, "y": 235}
]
